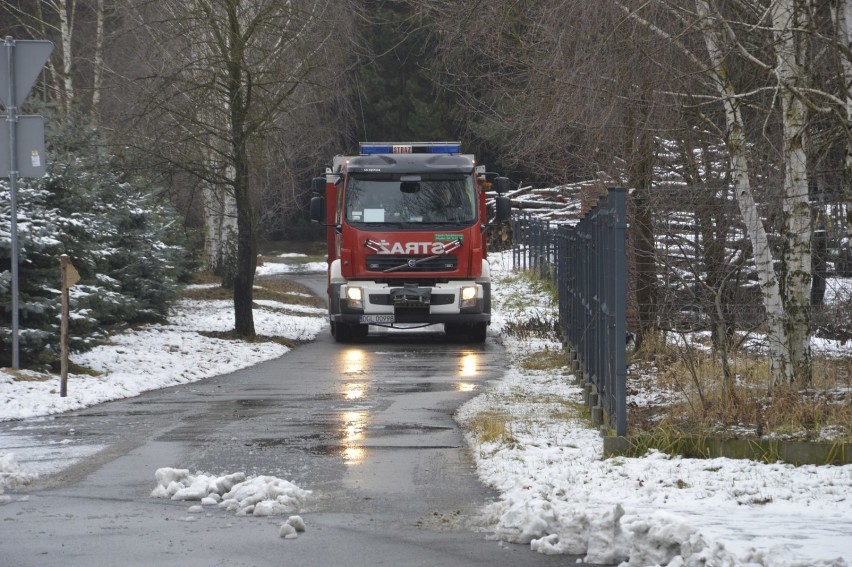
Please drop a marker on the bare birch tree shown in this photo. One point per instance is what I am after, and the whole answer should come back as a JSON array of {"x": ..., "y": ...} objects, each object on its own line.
[
  {"x": 737, "y": 144},
  {"x": 842, "y": 13},
  {"x": 79, "y": 59}
]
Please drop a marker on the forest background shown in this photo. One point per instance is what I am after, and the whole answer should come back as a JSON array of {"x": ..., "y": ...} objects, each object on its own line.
[{"x": 729, "y": 121}]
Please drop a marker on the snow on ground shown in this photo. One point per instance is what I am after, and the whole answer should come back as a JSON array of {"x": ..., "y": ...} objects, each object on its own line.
[
  {"x": 158, "y": 356},
  {"x": 271, "y": 268},
  {"x": 557, "y": 494}
]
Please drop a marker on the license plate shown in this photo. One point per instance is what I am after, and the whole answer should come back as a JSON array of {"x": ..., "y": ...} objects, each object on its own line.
[{"x": 376, "y": 319}]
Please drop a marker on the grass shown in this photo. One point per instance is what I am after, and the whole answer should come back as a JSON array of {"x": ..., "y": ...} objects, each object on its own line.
[
  {"x": 233, "y": 336},
  {"x": 535, "y": 289},
  {"x": 701, "y": 403},
  {"x": 691, "y": 398},
  {"x": 491, "y": 426},
  {"x": 266, "y": 288},
  {"x": 547, "y": 359},
  {"x": 26, "y": 375},
  {"x": 530, "y": 306}
]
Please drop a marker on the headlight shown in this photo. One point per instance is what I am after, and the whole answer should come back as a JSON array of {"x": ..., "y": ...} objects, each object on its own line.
[
  {"x": 355, "y": 297},
  {"x": 468, "y": 297}
]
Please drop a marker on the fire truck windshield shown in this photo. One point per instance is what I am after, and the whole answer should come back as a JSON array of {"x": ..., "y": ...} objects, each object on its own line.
[{"x": 410, "y": 199}]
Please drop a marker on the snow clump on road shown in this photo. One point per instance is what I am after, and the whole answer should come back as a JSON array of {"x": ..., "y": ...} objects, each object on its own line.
[{"x": 255, "y": 496}]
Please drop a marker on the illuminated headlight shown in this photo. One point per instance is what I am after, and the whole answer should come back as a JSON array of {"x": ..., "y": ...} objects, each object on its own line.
[
  {"x": 355, "y": 297},
  {"x": 468, "y": 296}
]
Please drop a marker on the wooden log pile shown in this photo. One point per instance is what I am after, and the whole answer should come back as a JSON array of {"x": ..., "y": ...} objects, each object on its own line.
[{"x": 561, "y": 204}]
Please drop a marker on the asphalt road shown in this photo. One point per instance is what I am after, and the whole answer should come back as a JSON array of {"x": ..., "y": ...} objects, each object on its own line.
[{"x": 368, "y": 428}]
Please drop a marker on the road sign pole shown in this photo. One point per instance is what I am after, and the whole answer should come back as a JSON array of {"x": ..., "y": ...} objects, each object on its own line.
[{"x": 12, "y": 119}]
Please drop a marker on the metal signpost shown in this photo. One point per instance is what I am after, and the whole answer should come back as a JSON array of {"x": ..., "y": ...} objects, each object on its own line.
[{"x": 20, "y": 64}]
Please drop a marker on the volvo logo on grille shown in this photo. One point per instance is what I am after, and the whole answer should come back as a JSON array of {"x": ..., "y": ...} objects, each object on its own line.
[{"x": 412, "y": 263}]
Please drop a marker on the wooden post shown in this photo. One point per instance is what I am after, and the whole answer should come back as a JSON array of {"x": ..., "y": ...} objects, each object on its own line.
[{"x": 69, "y": 278}]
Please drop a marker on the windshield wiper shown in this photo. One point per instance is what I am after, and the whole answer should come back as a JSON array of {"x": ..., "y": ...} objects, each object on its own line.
[{"x": 397, "y": 224}]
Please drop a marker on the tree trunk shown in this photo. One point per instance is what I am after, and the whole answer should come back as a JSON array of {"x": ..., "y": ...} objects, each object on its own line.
[
  {"x": 220, "y": 223},
  {"x": 66, "y": 24},
  {"x": 98, "y": 64},
  {"x": 640, "y": 150},
  {"x": 788, "y": 17},
  {"x": 246, "y": 251},
  {"x": 843, "y": 17},
  {"x": 780, "y": 361},
  {"x": 239, "y": 95}
]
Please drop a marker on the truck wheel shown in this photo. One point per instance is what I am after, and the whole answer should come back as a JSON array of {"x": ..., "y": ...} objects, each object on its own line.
[
  {"x": 342, "y": 332},
  {"x": 359, "y": 332},
  {"x": 477, "y": 332},
  {"x": 454, "y": 331},
  {"x": 347, "y": 333},
  {"x": 473, "y": 333}
]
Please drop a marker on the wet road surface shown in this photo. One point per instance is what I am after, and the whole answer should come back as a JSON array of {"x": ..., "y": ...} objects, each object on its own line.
[{"x": 367, "y": 427}]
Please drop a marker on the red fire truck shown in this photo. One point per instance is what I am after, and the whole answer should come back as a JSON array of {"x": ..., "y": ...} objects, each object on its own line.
[{"x": 406, "y": 236}]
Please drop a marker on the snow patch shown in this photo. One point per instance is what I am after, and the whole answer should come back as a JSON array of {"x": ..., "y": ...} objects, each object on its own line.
[{"x": 256, "y": 496}]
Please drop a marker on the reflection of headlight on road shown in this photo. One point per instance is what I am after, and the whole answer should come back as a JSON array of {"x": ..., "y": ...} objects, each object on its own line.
[
  {"x": 353, "y": 425},
  {"x": 353, "y": 361},
  {"x": 354, "y": 391},
  {"x": 465, "y": 387},
  {"x": 354, "y": 455},
  {"x": 469, "y": 364}
]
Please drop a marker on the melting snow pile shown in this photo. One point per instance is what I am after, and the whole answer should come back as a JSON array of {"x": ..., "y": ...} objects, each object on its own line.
[
  {"x": 10, "y": 475},
  {"x": 256, "y": 496}
]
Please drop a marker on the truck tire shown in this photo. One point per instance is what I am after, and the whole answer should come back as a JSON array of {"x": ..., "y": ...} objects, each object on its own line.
[
  {"x": 478, "y": 332},
  {"x": 347, "y": 333},
  {"x": 472, "y": 333},
  {"x": 454, "y": 331},
  {"x": 342, "y": 332}
]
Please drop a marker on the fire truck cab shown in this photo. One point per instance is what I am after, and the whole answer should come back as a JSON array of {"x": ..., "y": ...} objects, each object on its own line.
[{"x": 406, "y": 238}]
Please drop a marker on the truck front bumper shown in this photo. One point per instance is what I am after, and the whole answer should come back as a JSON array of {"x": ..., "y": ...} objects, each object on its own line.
[{"x": 380, "y": 303}]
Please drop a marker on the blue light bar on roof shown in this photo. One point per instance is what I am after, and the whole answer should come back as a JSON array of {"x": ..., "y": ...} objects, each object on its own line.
[{"x": 368, "y": 148}]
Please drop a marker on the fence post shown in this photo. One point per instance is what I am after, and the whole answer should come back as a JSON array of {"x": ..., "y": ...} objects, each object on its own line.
[{"x": 619, "y": 195}]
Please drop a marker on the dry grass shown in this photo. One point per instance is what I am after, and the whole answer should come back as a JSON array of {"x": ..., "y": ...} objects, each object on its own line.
[
  {"x": 698, "y": 401},
  {"x": 208, "y": 293},
  {"x": 233, "y": 336},
  {"x": 682, "y": 391},
  {"x": 20, "y": 375},
  {"x": 491, "y": 426},
  {"x": 273, "y": 289},
  {"x": 546, "y": 359},
  {"x": 53, "y": 369}
]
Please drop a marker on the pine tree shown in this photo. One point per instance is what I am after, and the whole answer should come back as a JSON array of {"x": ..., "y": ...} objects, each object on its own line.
[
  {"x": 120, "y": 236},
  {"x": 399, "y": 96}
]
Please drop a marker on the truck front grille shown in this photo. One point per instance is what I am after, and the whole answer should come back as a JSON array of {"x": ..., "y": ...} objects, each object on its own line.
[{"x": 382, "y": 262}]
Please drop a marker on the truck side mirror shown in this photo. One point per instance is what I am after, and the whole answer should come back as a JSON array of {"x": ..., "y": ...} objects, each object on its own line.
[
  {"x": 504, "y": 208},
  {"x": 318, "y": 209},
  {"x": 500, "y": 184},
  {"x": 318, "y": 185}
]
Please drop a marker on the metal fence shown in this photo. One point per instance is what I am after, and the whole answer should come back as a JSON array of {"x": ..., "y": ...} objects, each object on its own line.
[{"x": 588, "y": 263}]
